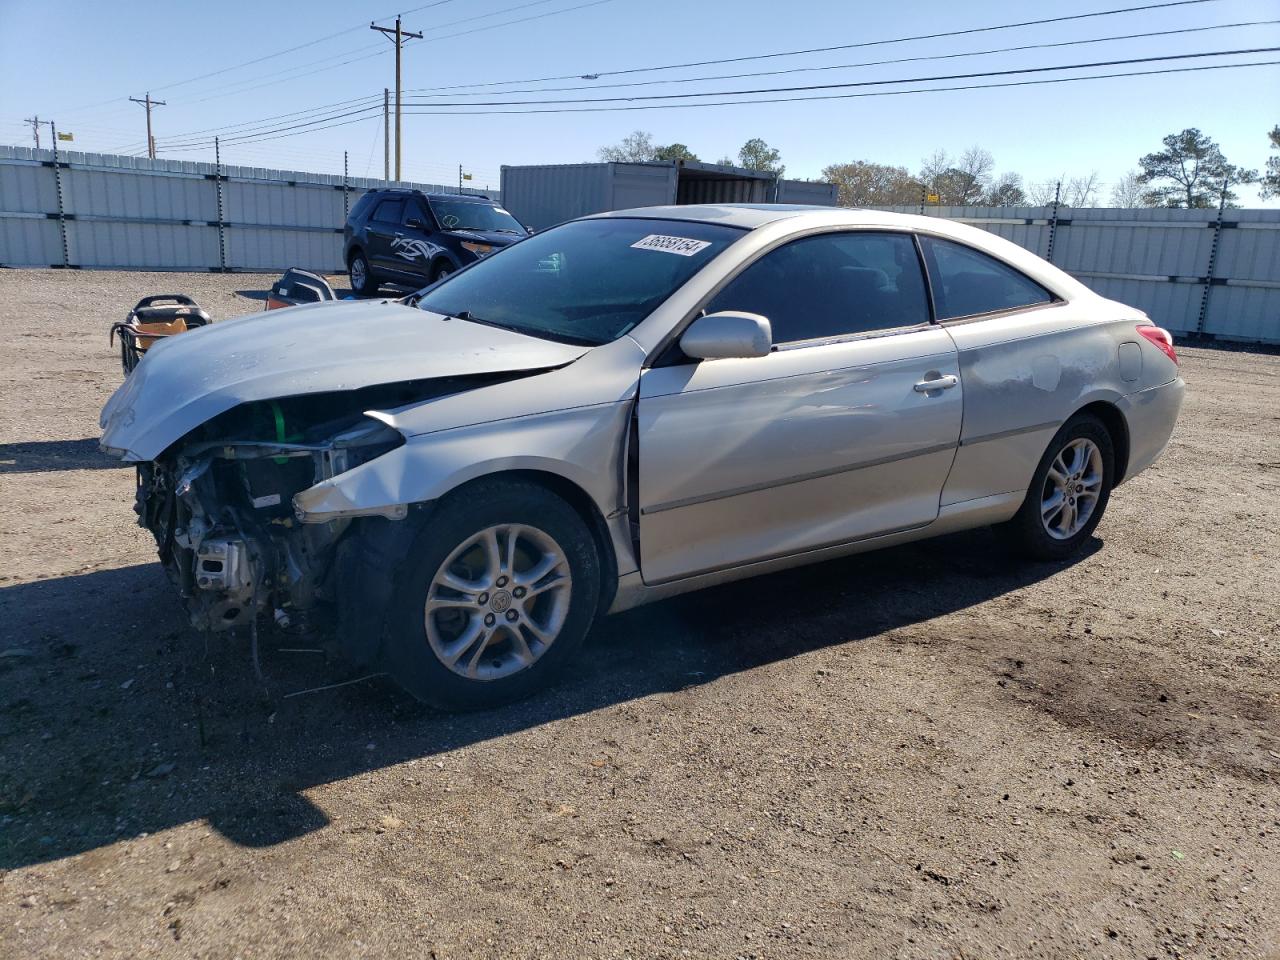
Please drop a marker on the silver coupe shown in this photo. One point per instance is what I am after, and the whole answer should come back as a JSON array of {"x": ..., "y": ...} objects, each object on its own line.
[{"x": 626, "y": 407}]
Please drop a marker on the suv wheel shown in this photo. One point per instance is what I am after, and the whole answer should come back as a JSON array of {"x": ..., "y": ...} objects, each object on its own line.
[
  {"x": 362, "y": 281},
  {"x": 441, "y": 271},
  {"x": 495, "y": 596}
]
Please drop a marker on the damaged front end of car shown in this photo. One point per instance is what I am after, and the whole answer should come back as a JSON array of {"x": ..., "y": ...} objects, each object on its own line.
[{"x": 220, "y": 505}]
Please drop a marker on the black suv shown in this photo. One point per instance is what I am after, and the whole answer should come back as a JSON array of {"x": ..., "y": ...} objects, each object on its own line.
[{"x": 413, "y": 238}]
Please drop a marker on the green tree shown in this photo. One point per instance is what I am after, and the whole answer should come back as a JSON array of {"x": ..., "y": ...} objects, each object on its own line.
[
  {"x": 674, "y": 151},
  {"x": 758, "y": 155},
  {"x": 637, "y": 147},
  {"x": 861, "y": 183},
  {"x": 1191, "y": 172},
  {"x": 1271, "y": 178}
]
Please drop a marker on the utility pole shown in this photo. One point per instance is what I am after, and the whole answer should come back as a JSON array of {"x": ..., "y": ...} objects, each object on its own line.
[
  {"x": 386, "y": 134},
  {"x": 149, "y": 103},
  {"x": 400, "y": 35},
  {"x": 35, "y": 128}
]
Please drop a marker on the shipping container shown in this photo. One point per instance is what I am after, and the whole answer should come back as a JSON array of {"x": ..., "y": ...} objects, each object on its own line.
[{"x": 542, "y": 196}]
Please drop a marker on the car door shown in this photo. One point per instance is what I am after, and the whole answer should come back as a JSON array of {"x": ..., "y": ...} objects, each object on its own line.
[
  {"x": 384, "y": 224},
  {"x": 846, "y": 430},
  {"x": 1026, "y": 357}
]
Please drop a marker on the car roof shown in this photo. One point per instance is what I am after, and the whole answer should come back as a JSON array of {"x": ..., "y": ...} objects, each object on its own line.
[
  {"x": 793, "y": 218},
  {"x": 410, "y": 192},
  {"x": 752, "y": 215}
]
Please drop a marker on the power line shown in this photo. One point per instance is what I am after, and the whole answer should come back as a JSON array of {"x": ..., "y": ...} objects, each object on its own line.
[
  {"x": 592, "y": 75},
  {"x": 850, "y": 96},
  {"x": 873, "y": 63},
  {"x": 861, "y": 83},
  {"x": 281, "y": 116},
  {"x": 554, "y": 13},
  {"x": 301, "y": 126},
  {"x": 261, "y": 59},
  {"x": 790, "y": 99}
]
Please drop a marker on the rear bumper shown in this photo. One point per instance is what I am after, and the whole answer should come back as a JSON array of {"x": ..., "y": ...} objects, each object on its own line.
[{"x": 1151, "y": 415}]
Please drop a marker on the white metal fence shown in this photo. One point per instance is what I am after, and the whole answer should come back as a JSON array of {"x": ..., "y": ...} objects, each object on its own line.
[
  {"x": 91, "y": 210},
  {"x": 1196, "y": 272}
]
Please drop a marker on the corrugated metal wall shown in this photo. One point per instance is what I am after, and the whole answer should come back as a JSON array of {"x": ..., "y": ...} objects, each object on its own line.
[
  {"x": 1190, "y": 270},
  {"x": 130, "y": 212}
]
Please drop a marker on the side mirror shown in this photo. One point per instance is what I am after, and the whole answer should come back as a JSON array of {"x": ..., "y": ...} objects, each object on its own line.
[
  {"x": 530, "y": 229},
  {"x": 413, "y": 223},
  {"x": 718, "y": 336}
]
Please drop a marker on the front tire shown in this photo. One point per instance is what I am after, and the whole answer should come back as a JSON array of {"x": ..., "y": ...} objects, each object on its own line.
[
  {"x": 441, "y": 271},
  {"x": 1068, "y": 494},
  {"x": 362, "y": 281},
  {"x": 496, "y": 594}
]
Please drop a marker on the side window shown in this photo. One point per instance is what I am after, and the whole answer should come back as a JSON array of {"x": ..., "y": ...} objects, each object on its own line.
[
  {"x": 389, "y": 211},
  {"x": 967, "y": 282},
  {"x": 831, "y": 285},
  {"x": 412, "y": 211}
]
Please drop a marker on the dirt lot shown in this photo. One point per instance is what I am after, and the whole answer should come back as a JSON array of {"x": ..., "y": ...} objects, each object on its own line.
[{"x": 908, "y": 754}]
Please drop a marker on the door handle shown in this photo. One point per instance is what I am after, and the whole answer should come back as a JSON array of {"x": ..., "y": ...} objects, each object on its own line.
[{"x": 937, "y": 383}]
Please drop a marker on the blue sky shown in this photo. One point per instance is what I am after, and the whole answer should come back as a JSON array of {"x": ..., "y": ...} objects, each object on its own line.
[{"x": 77, "y": 63}]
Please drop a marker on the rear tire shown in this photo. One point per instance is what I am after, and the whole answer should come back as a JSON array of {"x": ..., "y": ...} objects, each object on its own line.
[
  {"x": 1069, "y": 492},
  {"x": 441, "y": 271},
  {"x": 362, "y": 279},
  {"x": 525, "y": 625}
]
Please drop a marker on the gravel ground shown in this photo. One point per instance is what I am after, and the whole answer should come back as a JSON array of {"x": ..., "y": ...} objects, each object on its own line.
[{"x": 914, "y": 753}]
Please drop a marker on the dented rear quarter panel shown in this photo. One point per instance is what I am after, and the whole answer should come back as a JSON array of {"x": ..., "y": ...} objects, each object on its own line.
[{"x": 1027, "y": 373}]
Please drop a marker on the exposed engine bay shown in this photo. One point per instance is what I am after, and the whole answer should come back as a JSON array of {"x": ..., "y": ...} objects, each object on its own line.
[{"x": 220, "y": 501}]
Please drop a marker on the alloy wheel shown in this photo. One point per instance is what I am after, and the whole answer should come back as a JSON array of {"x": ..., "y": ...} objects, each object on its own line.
[
  {"x": 498, "y": 602},
  {"x": 1071, "y": 489}
]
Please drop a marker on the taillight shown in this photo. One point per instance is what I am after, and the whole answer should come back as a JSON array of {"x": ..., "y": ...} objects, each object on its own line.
[{"x": 1161, "y": 337}]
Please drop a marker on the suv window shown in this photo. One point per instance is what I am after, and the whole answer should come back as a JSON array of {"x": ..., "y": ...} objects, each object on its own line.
[
  {"x": 967, "y": 282},
  {"x": 362, "y": 206},
  {"x": 832, "y": 285},
  {"x": 389, "y": 211}
]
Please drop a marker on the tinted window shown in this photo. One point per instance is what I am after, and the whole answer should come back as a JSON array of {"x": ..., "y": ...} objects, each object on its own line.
[
  {"x": 831, "y": 285},
  {"x": 389, "y": 211},
  {"x": 588, "y": 281},
  {"x": 362, "y": 206},
  {"x": 966, "y": 282}
]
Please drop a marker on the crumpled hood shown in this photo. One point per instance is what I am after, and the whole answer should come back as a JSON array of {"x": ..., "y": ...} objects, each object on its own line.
[{"x": 189, "y": 379}]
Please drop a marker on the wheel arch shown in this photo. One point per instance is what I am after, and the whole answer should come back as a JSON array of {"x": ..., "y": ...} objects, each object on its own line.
[
  {"x": 352, "y": 250},
  {"x": 1118, "y": 427},
  {"x": 438, "y": 261}
]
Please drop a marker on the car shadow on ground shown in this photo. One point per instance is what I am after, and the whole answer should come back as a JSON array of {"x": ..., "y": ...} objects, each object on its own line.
[
  {"x": 117, "y": 718},
  {"x": 43, "y": 456}
]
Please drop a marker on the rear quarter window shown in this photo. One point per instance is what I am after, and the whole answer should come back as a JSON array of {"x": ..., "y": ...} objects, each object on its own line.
[
  {"x": 362, "y": 206},
  {"x": 967, "y": 282}
]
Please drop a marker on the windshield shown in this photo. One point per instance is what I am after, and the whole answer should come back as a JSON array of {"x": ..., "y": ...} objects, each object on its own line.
[
  {"x": 469, "y": 215},
  {"x": 588, "y": 281}
]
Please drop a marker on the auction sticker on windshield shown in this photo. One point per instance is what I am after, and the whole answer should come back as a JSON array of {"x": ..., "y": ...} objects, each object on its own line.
[{"x": 681, "y": 246}]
